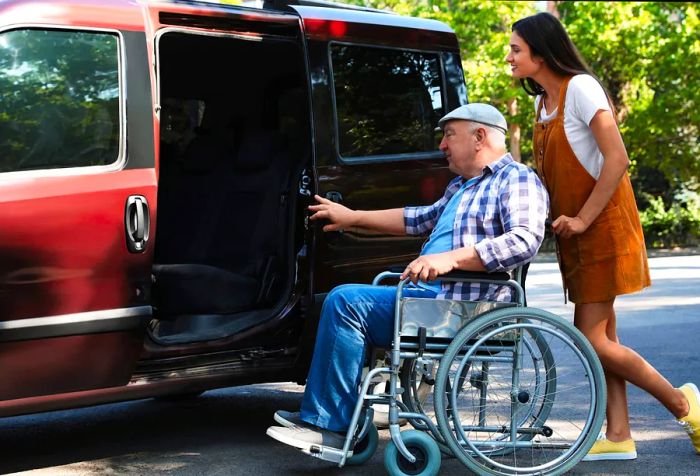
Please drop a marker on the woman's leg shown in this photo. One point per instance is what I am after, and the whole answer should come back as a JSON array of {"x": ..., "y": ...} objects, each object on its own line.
[
  {"x": 616, "y": 414},
  {"x": 622, "y": 362}
]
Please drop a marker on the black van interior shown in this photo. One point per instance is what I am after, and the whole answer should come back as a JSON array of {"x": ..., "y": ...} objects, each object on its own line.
[{"x": 234, "y": 138}]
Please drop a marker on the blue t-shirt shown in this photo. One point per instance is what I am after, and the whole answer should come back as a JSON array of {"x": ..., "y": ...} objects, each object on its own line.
[{"x": 440, "y": 239}]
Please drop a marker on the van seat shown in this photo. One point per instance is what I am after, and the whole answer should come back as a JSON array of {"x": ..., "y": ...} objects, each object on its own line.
[
  {"x": 225, "y": 221},
  {"x": 189, "y": 275},
  {"x": 201, "y": 289},
  {"x": 262, "y": 175}
]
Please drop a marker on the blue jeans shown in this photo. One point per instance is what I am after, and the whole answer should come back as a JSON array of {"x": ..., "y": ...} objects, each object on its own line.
[{"x": 353, "y": 317}]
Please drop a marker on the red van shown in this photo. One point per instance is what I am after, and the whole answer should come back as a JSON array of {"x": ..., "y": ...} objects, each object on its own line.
[{"x": 156, "y": 162}]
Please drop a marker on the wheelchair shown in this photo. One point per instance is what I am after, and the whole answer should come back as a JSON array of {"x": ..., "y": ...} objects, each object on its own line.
[{"x": 506, "y": 389}]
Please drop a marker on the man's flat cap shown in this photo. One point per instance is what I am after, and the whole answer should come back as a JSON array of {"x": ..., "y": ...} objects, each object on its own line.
[{"x": 477, "y": 112}]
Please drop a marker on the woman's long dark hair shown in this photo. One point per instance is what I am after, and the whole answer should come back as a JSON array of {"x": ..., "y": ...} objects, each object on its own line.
[{"x": 547, "y": 38}]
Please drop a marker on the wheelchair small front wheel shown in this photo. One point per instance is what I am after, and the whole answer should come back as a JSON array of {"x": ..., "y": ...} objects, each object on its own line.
[
  {"x": 365, "y": 448},
  {"x": 420, "y": 445}
]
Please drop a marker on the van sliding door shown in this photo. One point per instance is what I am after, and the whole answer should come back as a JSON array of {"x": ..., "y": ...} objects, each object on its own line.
[
  {"x": 379, "y": 89},
  {"x": 76, "y": 202}
]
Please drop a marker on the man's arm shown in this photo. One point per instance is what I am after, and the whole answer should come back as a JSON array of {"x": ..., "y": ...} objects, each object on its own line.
[
  {"x": 523, "y": 206},
  {"x": 389, "y": 221},
  {"x": 428, "y": 267}
]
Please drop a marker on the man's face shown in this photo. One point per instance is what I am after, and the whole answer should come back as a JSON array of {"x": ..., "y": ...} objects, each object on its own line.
[{"x": 458, "y": 145}]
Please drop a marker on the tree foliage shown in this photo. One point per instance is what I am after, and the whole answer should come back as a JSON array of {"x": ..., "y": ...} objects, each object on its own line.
[
  {"x": 671, "y": 225},
  {"x": 645, "y": 54}
]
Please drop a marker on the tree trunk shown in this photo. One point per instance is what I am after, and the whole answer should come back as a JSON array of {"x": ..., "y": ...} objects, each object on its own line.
[
  {"x": 514, "y": 129},
  {"x": 552, "y": 8}
]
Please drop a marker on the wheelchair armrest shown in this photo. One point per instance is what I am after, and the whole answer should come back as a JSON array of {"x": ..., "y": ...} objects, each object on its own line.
[
  {"x": 459, "y": 275},
  {"x": 394, "y": 272}
]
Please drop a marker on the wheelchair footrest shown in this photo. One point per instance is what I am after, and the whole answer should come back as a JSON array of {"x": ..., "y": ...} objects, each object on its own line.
[{"x": 326, "y": 453}]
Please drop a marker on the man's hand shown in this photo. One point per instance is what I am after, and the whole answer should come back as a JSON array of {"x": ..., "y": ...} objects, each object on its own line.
[
  {"x": 566, "y": 227},
  {"x": 429, "y": 267},
  {"x": 339, "y": 216}
]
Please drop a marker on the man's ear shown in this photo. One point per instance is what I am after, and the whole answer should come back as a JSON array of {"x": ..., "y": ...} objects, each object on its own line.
[{"x": 480, "y": 136}]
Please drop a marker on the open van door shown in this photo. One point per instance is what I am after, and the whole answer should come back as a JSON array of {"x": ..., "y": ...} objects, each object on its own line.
[{"x": 77, "y": 199}]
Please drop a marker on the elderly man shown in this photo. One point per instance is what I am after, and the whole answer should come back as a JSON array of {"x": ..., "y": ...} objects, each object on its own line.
[{"x": 491, "y": 218}]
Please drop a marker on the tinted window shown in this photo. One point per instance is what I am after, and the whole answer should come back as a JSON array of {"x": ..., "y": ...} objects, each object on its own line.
[
  {"x": 60, "y": 99},
  {"x": 387, "y": 101}
]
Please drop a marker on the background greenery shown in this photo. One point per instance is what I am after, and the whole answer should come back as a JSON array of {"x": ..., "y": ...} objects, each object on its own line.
[{"x": 645, "y": 53}]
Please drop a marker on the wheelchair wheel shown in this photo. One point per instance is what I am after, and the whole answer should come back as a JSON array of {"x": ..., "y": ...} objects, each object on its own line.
[
  {"x": 420, "y": 445},
  {"x": 418, "y": 380},
  {"x": 365, "y": 448},
  {"x": 534, "y": 398}
]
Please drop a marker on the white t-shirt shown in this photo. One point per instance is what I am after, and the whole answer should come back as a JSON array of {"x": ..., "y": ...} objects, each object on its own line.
[{"x": 584, "y": 98}]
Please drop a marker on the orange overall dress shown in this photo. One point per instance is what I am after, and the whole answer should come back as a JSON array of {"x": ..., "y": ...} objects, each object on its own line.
[{"x": 609, "y": 258}]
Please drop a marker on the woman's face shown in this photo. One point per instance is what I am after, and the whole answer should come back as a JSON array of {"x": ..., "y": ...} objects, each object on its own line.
[{"x": 522, "y": 63}]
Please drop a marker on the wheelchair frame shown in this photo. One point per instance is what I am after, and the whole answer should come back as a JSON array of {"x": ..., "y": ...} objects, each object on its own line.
[{"x": 514, "y": 436}]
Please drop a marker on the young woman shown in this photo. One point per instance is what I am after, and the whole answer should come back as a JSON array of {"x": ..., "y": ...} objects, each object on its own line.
[{"x": 583, "y": 163}]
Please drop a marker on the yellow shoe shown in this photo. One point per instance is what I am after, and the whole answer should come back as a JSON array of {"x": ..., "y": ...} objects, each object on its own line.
[
  {"x": 606, "y": 450},
  {"x": 691, "y": 422}
]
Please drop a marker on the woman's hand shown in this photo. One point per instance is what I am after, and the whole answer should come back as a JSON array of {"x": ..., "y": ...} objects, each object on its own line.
[
  {"x": 428, "y": 267},
  {"x": 566, "y": 227},
  {"x": 339, "y": 216}
]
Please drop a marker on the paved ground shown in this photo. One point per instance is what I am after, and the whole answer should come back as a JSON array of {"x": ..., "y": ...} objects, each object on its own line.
[{"x": 223, "y": 431}]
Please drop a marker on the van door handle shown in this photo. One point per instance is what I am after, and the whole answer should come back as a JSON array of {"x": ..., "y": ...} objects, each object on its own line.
[
  {"x": 334, "y": 196},
  {"x": 137, "y": 222},
  {"x": 334, "y": 236}
]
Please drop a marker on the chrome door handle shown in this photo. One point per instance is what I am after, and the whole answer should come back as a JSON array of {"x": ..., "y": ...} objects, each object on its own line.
[
  {"x": 334, "y": 196},
  {"x": 137, "y": 222}
]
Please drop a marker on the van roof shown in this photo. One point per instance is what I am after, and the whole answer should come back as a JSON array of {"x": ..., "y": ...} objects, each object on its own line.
[
  {"x": 328, "y": 10},
  {"x": 126, "y": 13}
]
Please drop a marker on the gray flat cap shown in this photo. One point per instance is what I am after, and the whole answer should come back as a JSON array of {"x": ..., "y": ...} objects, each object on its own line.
[{"x": 477, "y": 112}]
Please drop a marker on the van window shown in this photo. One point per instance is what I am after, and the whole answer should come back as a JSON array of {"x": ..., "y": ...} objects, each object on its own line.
[
  {"x": 388, "y": 101},
  {"x": 60, "y": 99}
]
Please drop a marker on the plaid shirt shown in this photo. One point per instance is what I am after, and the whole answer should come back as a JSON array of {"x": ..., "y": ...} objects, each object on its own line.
[{"x": 502, "y": 215}]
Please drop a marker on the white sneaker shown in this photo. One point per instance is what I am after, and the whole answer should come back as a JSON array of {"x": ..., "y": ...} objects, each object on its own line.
[
  {"x": 289, "y": 419},
  {"x": 307, "y": 437}
]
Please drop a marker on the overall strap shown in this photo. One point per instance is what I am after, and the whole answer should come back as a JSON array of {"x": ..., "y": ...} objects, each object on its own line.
[
  {"x": 539, "y": 109},
  {"x": 562, "y": 95},
  {"x": 562, "y": 99}
]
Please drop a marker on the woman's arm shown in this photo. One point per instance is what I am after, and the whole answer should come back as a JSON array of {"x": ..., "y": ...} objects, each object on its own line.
[{"x": 615, "y": 165}]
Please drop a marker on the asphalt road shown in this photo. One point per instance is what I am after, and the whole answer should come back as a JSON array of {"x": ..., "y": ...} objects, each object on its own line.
[{"x": 223, "y": 432}]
